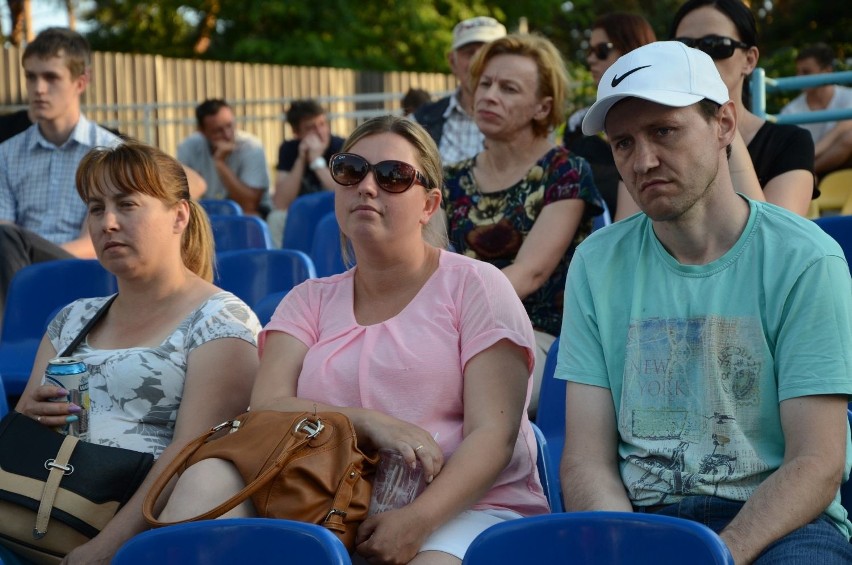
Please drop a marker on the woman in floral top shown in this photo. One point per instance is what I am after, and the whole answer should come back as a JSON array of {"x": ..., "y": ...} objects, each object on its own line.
[{"x": 523, "y": 204}]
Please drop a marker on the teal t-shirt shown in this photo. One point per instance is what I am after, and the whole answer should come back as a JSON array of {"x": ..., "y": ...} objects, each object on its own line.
[{"x": 698, "y": 358}]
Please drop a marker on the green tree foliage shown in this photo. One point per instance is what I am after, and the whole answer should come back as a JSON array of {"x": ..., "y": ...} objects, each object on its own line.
[{"x": 415, "y": 35}]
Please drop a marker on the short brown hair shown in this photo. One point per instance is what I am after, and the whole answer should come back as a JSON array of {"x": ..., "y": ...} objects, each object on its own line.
[
  {"x": 61, "y": 42},
  {"x": 552, "y": 77}
]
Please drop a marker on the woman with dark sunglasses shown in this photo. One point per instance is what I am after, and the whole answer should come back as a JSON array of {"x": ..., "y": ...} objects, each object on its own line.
[
  {"x": 427, "y": 352},
  {"x": 769, "y": 162},
  {"x": 612, "y": 36},
  {"x": 522, "y": 204}
]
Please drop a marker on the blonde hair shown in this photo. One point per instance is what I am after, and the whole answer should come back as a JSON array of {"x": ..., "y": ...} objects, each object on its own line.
[
  {"x": 435, "y": 232},
  {"x": 552, "y": 76},
  {"x": 134, "y": 167}
]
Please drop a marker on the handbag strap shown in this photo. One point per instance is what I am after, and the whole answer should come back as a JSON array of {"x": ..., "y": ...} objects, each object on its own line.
[
  {"x": 180, "y": 460},
  {"x": 87, "y": 328},
  {"x": 59, "y": 467}
]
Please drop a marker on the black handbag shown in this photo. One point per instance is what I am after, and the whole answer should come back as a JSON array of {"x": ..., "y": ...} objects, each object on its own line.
[{"x": 56, "y": 492}]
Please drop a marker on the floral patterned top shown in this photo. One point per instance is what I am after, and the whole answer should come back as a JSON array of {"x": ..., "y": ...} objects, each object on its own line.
[
  {"x": 135, "y": 393},
  {"x": 492, "y": 226}
]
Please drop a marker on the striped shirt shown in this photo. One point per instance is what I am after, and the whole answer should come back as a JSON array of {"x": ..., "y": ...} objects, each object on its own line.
[{"x": 37, "y": 187}]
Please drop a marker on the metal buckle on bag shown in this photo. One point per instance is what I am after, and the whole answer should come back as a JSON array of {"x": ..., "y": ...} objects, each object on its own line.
[
  {"x": 332, "y": 512},
  {"x": 51, "y": 464},
  {"x": 313, "y": 429}
]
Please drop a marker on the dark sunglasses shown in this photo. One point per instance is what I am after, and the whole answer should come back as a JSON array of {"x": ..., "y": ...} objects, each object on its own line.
[
  {"x": 717, "y": 46},
  {"x": 392, "y": 176},
  {"x": 600, "y": 50}
]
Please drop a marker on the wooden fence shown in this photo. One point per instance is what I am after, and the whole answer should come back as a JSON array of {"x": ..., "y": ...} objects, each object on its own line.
[{"x": 153, "y": 98}]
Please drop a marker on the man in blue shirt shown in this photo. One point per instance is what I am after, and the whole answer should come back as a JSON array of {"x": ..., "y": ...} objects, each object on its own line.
[{"x": 41, "y": 215}]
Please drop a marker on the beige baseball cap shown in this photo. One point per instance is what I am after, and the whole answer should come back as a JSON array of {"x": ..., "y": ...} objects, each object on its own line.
[{"x": 481, "y": 29}]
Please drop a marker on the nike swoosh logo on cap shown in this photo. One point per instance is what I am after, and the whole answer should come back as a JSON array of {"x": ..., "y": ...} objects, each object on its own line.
[{"x": 616, "y": 80}]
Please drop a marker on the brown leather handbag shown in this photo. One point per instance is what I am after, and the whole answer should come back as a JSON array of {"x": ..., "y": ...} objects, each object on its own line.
[{"x": 296, "y": 465}]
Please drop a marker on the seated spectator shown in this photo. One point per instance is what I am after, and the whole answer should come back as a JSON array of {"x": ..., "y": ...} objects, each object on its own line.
[
  {"x": 302, "y": 161},
  {"x": 707, "y": 343},
  {"x": 41, "y": 216},
  {"x": 231, "y": 162},
  {"x": 836, "y": 152},
  {"x": 612, "y": 36},
  {"x": 769, "y": 162},
  {"x": 414, "y": 99},
  {"x": 450, "y": 120},
  {"x": 173, "y": 355},
  {"x": 522, "y": 204},
  {"x": 407, "y": 345}
]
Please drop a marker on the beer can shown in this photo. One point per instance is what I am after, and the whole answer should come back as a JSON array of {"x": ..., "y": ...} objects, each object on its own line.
[{"x": 71, "y": 374}]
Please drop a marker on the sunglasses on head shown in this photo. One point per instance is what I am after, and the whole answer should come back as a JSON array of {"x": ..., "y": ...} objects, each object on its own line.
[
  {"x": 600, "y": 50},
  {"x": 717, "y": 46},
  {"x": 392, "y": 176}
]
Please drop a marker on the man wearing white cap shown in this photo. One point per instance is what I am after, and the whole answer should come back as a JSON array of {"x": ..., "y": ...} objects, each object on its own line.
[
  {"x": 449, "y": 120},
  {"x": 707, "y": 342}
]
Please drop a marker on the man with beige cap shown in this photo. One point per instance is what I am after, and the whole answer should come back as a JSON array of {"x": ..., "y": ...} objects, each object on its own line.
[
  {"x": 707, "y": 343},
  {"x": 449, "y": 120}
]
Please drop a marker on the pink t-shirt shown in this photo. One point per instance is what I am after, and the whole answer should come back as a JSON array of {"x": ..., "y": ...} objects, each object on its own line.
[{"x": 411, "y": 366}]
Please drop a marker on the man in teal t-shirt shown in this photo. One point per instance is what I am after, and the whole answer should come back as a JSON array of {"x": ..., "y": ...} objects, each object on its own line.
[{"x": 707, "y": 341}]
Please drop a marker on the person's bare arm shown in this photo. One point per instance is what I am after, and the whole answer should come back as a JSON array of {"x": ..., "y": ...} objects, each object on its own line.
[
  {"x": 495, "y": 385},
  {"x": 807, "y": 481},
  {"x": 545, "y": 245},
  {"x": 589, "y": 469},
  {"x": 248, "y": 197},
  {"x": 626, "y": 205},
  {"x": 82, "y": 247},
  {"x": 289, "y": 183},
  {"x": 834, "y": 151},
  {"x": 197, "y": 184},
  {"x": 219, "y": 378},
  {"x": 792, "y": 190}
]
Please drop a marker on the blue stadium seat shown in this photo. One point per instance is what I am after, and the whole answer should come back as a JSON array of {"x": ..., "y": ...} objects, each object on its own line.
[
  {"x": 840, "y": 228},
  {"x": 592, "y": 538},
  {"x": 225, "y": 207},
  {"x": 303, "y": 215},
  {"x": 550, "y": 418},
  {"x": 325, "y": 250},
  {"x": 265, "y": 308},
  {"x": 37, "y": 291},
  {"x": 240, "y": 232},
  {"x": 547, "y": 473},
  {"x": 252, "y": 274},
  {"x": 603, "y": 219},
  {"x": 234, "y": 540},
  {"x": 846, "y": 488}
]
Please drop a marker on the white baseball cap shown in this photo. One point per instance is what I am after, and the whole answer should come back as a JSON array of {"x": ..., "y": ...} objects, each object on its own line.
[
  {"x": 481, "y": 29},
  {"x": 665, "y": 72}
]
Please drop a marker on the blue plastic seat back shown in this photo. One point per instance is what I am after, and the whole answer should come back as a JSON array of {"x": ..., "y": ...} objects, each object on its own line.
[
  {"x": 225, "y": 207},
  {"x": 586, "y": 538},
  {"x": 265, "y": 308},
  {"x": 326, "y": 251},
  {"x": 35, "y": 292},
  {"x": 846, "y": 488},
  {"x": 840, "y": 228},
  {"x": 252, "y": 274},
  {"x": 231, "y": 233},
  {"x": 603, "y": 219},
  {"x": 547, "y": 473},
  {"x": 303, "y": 215},
  {"x": 550, "y": 417},
  {"x": 234, "y": 540},
  {"x": 4, "y": 409}
]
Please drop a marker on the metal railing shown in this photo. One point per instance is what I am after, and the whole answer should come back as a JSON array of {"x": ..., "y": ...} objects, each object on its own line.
[{"x": 760, "y": 85}]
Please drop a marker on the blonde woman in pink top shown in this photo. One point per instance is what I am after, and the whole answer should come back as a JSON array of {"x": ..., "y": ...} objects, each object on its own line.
[{"x": 427, "y": 352}]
